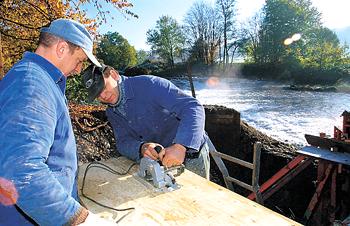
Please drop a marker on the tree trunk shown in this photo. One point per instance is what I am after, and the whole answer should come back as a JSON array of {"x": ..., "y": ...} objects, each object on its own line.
[
  {"x": 220, "y": 60},
  {"x": 225, "y": 46},
  {"x": 172, "y": 58}
]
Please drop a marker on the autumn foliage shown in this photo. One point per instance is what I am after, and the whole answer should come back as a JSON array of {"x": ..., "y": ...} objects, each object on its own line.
[{"x": 21, "y": 20}]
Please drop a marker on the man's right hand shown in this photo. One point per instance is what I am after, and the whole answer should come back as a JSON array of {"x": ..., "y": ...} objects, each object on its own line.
[
  {"x": 147, "y": 150},
  {"x": 173, "y": 155},
  {"x": 94, "y": 219}
]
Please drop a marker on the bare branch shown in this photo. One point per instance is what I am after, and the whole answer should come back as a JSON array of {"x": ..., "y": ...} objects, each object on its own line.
[
  {"x": 17, "y": 38},
  {"x": 20, "y": 24},
  {"x": 38, "y": 9}
]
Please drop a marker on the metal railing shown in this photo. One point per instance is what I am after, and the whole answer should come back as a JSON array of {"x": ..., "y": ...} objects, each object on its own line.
[{"x": 255, "y": 167}]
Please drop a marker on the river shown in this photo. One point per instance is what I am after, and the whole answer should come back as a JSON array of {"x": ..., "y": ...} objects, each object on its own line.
[{"x": 280, "y": 113}]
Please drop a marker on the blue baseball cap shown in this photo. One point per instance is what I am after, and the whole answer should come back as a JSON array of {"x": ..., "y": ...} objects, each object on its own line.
[{"x": 75, "y": 33}]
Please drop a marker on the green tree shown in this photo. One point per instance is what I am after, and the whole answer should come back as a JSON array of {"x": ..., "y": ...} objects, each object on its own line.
[
  {"x": 288, "y": 40},
  {"x": 21, "y": 20},
  {"x": 282, "y": 19},
  {"x": 116, "y": 51},
  {"x": 323, "y": 51},
  {"x": 166, "y": 39},
  {"x": 142, "y": 56}
]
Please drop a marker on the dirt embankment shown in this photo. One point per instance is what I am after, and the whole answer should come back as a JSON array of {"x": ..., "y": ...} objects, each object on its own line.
[{"x": 93, "y": 134}]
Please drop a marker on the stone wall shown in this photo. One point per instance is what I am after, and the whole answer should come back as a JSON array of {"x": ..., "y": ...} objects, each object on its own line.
[{"x": 223, "y": 127}]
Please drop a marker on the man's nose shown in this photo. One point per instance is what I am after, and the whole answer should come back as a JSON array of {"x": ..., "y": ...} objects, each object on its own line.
[
  {"x": 103, "y": 95},
  {"x": 78, "y": 68}
]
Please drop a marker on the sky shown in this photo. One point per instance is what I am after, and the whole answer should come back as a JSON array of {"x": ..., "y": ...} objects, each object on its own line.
[{"x": 335, "y": 15}]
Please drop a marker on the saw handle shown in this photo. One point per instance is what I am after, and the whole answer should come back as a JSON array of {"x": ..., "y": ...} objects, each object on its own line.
[{"x": 158, "y": 148}]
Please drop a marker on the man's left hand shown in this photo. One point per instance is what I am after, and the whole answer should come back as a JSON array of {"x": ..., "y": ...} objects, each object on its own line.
[{"x": 173, "y": 155}]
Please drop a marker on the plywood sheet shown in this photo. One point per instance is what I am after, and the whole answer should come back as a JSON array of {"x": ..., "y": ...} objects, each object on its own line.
[{"x": 197, "y": 202}]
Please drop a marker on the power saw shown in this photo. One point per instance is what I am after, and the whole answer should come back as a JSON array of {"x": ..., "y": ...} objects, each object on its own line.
[{"x": 162, "y": 177}]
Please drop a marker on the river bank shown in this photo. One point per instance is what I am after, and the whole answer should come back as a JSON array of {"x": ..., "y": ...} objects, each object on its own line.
[{"x": 301, "y": 80}]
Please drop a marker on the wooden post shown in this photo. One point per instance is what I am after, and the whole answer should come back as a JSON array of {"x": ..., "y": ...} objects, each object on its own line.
[
  {"x": 189, "y": 74},
  {"x": 1, "y": 61},
  {"x": 256, "y": 172}
]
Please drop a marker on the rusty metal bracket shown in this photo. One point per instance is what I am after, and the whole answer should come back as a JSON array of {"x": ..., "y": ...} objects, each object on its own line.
[
  {"x": 317, "y": 194},
  {"x": 279, "y": 175}
]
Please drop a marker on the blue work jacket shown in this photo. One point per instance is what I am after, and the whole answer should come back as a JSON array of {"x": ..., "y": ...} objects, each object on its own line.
[
  {"x": 153, "y": 109},
  {"x": 37, "y": 145}
]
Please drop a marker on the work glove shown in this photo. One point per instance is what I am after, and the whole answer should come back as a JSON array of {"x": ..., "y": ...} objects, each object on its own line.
[{"x": 94, "y": 220}]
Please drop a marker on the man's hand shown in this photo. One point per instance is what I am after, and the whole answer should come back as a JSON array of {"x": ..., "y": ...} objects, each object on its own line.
[
  {"x": 173, "y": 155},
  {"x": 147, "y": 150}
]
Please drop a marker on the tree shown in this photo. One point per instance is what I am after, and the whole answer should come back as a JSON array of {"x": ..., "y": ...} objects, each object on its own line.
[
  {"x": 203, "y": 32},
  {"x": 116, "y": 51},
  {"x": 292, "y": 41},
  {"x": 318, "y": 48},
  {"x": 142, "y": 56},
  {"x": 250, "y": 38},
  {"x": 323, "y": 51},
  {"x": 21, "y": 20},
  {"x": 166, "y": 39},
  {"x": 282, "y": 19},
  {"x": 226, "y": 9}
]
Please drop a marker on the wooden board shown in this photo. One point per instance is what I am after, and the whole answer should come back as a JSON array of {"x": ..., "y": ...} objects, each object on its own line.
[{"x": 197, "y": 202}]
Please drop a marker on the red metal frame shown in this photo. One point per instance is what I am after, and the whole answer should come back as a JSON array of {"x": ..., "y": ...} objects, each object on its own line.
[
  {"x": 316, "y": 196},
  {"x": 281, "y": 173},
  {"x": 337, "y": 133}
]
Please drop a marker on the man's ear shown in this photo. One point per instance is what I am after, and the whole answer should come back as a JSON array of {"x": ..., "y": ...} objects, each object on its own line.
[
  {"x": 61, "y": 48},
  {"x": 115, "y": 75}
]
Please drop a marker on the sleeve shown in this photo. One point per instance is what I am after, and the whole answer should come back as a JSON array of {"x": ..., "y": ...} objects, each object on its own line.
[
  {"x": 186, "y": 108},
  {"x": 128, "y": 142},
  {"x": 27, "y": 124}
]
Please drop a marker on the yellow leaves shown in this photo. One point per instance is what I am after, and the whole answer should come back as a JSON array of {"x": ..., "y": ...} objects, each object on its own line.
[
  {"x": 61, "y": 7},
  {"x": 21, "y": 20},
  {"x": 42, "y": 7}
]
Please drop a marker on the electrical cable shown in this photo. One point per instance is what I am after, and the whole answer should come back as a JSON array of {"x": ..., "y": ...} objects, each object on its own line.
[{"x": 109, "y": 169}]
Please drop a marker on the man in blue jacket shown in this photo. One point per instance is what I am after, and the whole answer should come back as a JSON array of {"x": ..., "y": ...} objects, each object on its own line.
[
  {"x": 38, "y": 159},
  {"x": 146, "y": 111}
]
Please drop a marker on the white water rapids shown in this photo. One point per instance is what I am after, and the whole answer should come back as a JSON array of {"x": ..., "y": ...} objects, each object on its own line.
[{"x": 280, "y": 113}]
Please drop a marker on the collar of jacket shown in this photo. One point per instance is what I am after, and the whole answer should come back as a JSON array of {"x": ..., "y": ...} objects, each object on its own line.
[
  {"x": 56, "y": 75},
  {"x": 128, "y": 89},
  {"x": 123, "y": 94}
]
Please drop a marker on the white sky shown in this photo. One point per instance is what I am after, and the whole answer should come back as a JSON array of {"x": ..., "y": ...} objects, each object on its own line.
[{"x": 335, "y": 14}]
